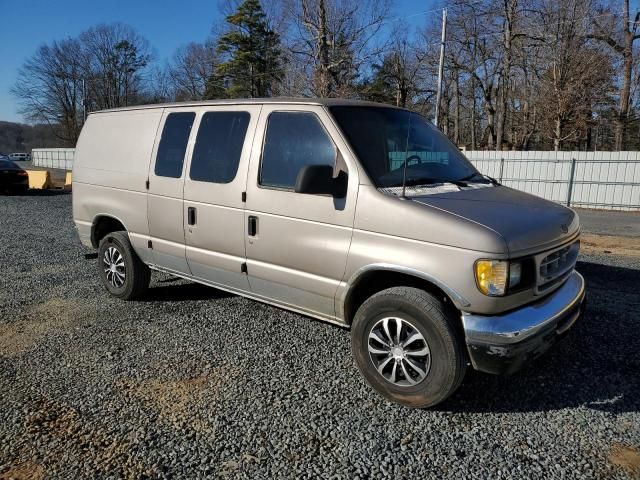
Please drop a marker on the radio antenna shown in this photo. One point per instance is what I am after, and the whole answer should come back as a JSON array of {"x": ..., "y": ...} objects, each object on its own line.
[{"x": 406, "y": 156}]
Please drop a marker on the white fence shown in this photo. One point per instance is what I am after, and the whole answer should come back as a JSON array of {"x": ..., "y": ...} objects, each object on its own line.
[
  {"x": 608, "y": 180},
  {"x": 53, "y": 157}
]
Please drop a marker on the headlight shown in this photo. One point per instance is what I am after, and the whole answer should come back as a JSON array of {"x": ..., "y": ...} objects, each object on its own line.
[
  {"x": 491, "y": 276},
  {"x": 494, "y": 276}
]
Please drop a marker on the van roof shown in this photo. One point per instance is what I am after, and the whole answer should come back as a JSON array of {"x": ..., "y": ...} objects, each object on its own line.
[{"x": 254, "y": 101}]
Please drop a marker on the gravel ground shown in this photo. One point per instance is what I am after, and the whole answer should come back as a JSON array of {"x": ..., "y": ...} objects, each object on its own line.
[{"x": 191, "y": 382}]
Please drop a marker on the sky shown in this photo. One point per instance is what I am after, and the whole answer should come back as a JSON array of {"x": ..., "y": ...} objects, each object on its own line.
[{"x": 166, "y": 24}]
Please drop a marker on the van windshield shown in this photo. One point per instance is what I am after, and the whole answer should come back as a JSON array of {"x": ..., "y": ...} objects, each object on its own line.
[{"x": 385, "y": 138}]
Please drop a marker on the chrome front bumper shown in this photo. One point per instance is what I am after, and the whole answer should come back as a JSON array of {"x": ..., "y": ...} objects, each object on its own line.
[{"x": 503, "y": 343}]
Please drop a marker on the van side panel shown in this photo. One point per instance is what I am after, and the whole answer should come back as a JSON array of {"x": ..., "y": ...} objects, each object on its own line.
[{"x": 110, "y": 171}]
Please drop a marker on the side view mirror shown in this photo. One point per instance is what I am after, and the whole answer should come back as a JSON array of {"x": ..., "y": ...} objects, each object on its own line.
[{"x": 319, "y": 180}]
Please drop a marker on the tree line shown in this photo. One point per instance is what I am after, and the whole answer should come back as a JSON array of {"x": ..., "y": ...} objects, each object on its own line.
[
  {"x": 16, "y": 137},
  {"x": 518, "y": 74}
]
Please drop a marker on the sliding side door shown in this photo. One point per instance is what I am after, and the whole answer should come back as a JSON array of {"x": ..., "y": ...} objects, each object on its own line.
[{"x": 213, "y": 194}]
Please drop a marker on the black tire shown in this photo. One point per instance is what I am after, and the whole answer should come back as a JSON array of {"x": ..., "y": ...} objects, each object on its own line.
[
  {"x": 136, "y": 274},
  {"x": 447, "y": 361}
]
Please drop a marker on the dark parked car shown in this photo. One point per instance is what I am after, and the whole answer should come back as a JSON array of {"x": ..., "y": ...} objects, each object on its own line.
[{"x": 12, "y": 177}]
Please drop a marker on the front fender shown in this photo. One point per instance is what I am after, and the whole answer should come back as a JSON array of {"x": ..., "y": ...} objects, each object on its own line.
[{"x": 347, "y": 288}]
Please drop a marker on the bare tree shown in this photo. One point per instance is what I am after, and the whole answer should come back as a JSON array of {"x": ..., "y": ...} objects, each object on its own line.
[
  {"x": 102, "y": 68},
  {"x": 191, "y": 67},
  {"x": 577, "y": 74},
  {"x": 114, "y": 59},
  {"x": 161, "y": 87},
  {"x": 335, "y": 38},
  {"x": 475, "y": 36},
  {"x": 524, "y": 92},
  {"x": 619, "y": 33},
  {"x": 518, "y": 73},
  {"x": 49, "y": 88},
  {"x": 510, "y": 14},
  {"x": 526, "y": 73}
]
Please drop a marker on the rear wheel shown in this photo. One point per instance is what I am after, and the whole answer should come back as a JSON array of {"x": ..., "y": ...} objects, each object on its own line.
[
  {"x": 122, "y": 272},
  {"x": 405, "y": 345}
]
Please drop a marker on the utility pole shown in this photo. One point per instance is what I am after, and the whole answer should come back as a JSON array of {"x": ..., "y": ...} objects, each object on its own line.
[
  {"x": 441, "y": 68},
  {"x": 84, "y": 102}
]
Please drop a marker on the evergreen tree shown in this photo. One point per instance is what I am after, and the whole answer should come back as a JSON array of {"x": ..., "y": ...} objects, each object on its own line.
[
  {"x": 380, "y": 87},
  {"x": 252, "y": 56}
]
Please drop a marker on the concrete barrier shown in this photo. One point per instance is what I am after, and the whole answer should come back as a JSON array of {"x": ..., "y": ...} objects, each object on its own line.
[{"x": 39, "y": 179}]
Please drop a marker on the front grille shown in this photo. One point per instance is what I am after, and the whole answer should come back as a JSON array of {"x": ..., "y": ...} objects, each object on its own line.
[{"x": 557, "y": 265}]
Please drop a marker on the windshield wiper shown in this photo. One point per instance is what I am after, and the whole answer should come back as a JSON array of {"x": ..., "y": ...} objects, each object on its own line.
[{"x": 478, "y": 174}]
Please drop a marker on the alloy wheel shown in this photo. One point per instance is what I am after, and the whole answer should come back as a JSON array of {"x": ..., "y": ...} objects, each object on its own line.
[
  {"x": 399, "y": 352},
  {"x": 114, "y": 267}
]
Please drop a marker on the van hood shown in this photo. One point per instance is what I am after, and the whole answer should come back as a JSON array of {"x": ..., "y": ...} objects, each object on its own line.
[{"x": 524, "y": 221}]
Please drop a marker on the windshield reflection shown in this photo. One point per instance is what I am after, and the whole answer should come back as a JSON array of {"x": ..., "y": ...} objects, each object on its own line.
[{"x": 385, "y": 138}]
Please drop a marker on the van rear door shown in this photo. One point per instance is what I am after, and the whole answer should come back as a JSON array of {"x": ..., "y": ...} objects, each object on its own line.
[
  {"x": 166, "y": 183},
  {"x": 213, "y": 194}
]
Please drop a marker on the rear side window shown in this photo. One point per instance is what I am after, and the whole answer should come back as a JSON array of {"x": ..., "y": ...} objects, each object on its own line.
[
  {"x": 293, "y": 140},
  {"x": 218, "y": 146},
  {"x": 173, "y": 144}
]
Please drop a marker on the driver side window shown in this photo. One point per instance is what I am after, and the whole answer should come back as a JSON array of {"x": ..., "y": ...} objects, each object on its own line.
[{"x": 293, "y": 140}]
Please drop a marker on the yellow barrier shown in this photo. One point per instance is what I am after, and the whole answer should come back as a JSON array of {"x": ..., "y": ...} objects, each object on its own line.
[
  {"x": 67, "y": 180},
  {"x": 39, "y": 179}
]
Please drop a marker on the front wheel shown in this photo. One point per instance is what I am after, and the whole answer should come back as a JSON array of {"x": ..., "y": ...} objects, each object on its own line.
[
  {"x": 122, "y": 272},
  {"x": 405, "y": 345}
]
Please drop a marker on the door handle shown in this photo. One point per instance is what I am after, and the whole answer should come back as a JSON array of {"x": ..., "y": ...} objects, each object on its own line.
[
  {"x": 253, "y": 226},
  {"x": 191, "y": 216}
]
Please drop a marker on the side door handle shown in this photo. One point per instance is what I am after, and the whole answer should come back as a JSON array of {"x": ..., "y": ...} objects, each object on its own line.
[
  {"x": 191, "y": 216},
  {"x": 252, "y": 228}
]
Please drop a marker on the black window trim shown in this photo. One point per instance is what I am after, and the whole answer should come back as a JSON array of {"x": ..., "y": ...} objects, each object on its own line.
[
  {"x": 195, "y": 140},
  {"x": 264, "y": 138}
]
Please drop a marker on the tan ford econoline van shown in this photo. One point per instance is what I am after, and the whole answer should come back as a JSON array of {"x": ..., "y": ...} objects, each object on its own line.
[{"x": 356, "y": 213}]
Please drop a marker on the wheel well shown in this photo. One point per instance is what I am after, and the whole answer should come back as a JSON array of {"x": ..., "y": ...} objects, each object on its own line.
[
  {"x": 103, "y": 226},
  {"x": 375, "y": 281}
]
